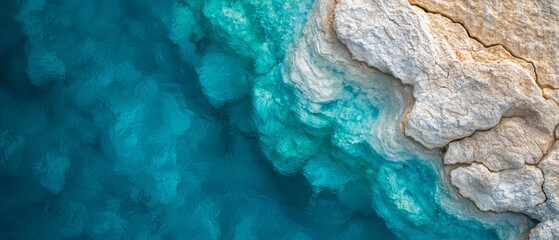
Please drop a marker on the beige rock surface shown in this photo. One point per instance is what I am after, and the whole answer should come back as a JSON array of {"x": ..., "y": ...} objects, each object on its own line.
[
  {"x": 548, "y": 230},
  {"x": 529, "y": 29},
  {"x": 509, "y": 145},
  {"x": 552, "y": 94},
  {"x": 507, "y": 190},
  {"x": 476, "y": 90},
  {"x": 459, "y": 86}
]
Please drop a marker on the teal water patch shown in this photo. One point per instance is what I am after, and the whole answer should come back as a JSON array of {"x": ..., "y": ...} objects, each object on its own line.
[
  {"x": 169, "y": 119},
  {"x": 133, "y": 120}
]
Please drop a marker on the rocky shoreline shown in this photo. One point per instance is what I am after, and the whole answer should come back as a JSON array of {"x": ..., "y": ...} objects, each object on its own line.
[{"x": 487, "y": 105}]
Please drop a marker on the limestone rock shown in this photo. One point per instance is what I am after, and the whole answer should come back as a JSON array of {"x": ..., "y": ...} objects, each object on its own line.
[
  {"x": 529, "y": 29},
  {"x": 552, "y": 94},
  {"x": 396, "y": 42},
  {"x": 480, "y": 99},
  {"x": 459, "y": 85},
  {"x": 508, "y": 190},
  {"x": 511, "y": 144},
  {"x": 548, "y": 230}
]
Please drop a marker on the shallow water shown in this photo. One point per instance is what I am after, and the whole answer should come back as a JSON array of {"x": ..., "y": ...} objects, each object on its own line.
[{"x": 169, "y": 120}]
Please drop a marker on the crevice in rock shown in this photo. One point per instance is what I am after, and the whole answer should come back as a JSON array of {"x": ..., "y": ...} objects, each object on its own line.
[
  {"x": 543, "y": 172},
  {"x": 541, "y": 86},
  {"x": 476, "y": 131},
  {"x": 544, "y": 193},
  {"x": 546, "y": 151}
]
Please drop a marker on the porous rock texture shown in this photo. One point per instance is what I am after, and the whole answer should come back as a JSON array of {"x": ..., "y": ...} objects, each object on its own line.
[
  {"x": 500, "y": 191},
  {"x": 548, "y": 230},
  {"x": 484, "y": 77},
  {"x": 524, "y": 144},
  {"x": 528, "y": 29}
]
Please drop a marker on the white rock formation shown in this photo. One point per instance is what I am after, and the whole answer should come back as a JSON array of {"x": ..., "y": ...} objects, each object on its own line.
[
  {"x": 548, "y": 230},
  {"x": 529, "y": 29},
  {"x": 509, "y": 145},
  {"x": 486, "y": 95},
  {"x": 507, "y": 190},
  {"x": 459, "y": 85}
]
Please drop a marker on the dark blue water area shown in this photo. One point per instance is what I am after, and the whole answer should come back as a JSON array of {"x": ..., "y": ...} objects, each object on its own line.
[{"x": 105, "y": 133}]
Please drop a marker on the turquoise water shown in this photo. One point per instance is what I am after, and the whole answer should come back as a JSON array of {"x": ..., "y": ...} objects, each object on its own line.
[{"x": 169, "y": 119}]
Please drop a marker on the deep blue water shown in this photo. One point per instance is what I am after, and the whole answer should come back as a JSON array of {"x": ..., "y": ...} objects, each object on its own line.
[{"x": 128, "y": 119}]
